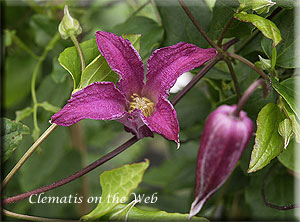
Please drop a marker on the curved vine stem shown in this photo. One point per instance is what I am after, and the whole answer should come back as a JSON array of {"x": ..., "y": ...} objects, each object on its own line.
[
  {"x": 248, "y": 93},
  {"x": 224, "y": 31},
  {"x": 248, "y": 63},
  {"x": 193, "y": 82},
  {"x": 36, "y": 144},
  {"x": 193, "y": 19},
  {"x": 31, "y": 218},
  {"x": 275, "y": 206}
]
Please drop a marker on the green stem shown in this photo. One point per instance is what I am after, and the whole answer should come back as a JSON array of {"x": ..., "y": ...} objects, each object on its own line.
[
  {"x": 27, "y": 155},
  {"x": 80, "y": 53},
  {"x": 50, "y": 46},
  {"x": 30, "y": 218},
  {"x": 247, "y": 62},
  {"x": 23, "y": 46},
  {"x": 234, "y": 78}
]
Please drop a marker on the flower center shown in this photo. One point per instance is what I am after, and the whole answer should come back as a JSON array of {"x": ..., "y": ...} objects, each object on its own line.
[{"x": 142, "y": 103}]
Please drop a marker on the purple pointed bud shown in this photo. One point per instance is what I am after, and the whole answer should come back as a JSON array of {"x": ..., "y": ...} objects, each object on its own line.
[{"x": 223, "y": 141}]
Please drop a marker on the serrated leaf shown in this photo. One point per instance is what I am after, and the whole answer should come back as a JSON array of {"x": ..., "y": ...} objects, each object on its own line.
[
  {"x": 267, "y": 27},
  {"x": 287, "y": 92},
  {"x": 120, "y": 182},
  {"x": 292, "y": 117},
  {"x": 285, "y": 130},
  {"x": 70, "y": 61},
  {"x": 12, "y": 135},
  {"x": 49, "y": 107},
  {"x": 268, "y": 142},
  {"x": 124, "y": 212},
  {"x": 288, "y": 157},
  {"x": 259, "y": 6},
  {"x": 22, "y": 114}
]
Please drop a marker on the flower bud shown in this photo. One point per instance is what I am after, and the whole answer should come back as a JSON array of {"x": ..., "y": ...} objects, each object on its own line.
[
  {"x": 68, "y": 25},
  {"x": 223, "y": 141}
]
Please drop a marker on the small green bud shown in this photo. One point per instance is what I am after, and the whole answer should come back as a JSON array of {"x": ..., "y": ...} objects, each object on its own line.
[
  {"x": 265, "y": 63},
  {"x": 68, "y": 25},
  {"x": 285, "y": 130}
]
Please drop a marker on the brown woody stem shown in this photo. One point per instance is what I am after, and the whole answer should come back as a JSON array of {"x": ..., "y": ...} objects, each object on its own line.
[
  {"x": 234, "y": 78},
  {"x": 247, "y": 62},
  {"x": 75, "y": 176},
  {"x": 193, "y": 19}
]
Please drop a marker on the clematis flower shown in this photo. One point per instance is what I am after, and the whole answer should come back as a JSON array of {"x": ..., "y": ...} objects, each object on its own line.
[{"x": 142, "y": 107}]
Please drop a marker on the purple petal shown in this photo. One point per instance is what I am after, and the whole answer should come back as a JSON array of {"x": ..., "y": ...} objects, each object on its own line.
[
  {"x": 167, "y": 64},
  {"x": 124, "y": 60},
  {"x": 100, "y": 100},
  {"x": 164, "y": 120},
  {"x": 223, "y": 141},
  {"x": 135, "y": 123}
]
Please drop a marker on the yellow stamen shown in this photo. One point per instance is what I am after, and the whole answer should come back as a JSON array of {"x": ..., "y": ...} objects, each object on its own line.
[{"x": 142, "y": 103}]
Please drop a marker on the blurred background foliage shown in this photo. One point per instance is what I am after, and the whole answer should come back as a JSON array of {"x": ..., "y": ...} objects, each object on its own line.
[{"x": 29, "y": 25}]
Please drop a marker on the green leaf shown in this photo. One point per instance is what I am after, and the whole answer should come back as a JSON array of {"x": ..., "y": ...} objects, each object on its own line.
[
  {"x": 70, "y": 61},
  {"x": 12, "y": 135},
  {"x": 274, "y": 58},
  {"x": 97, "y": 71},
  {"x": 294, "y": 122},
  {"x": 268, "y": 142},
  {"x": 286, "y": 91},
  {"x": 36, "y": 132},
  {"x": 44, "y": 28},
  {"x": 135, "y": 40},
  {"x": 58, "y": 73},
  {"x": 287, "y": 56},
  {"x": 259, "y": 6},
  {"x": 8, "y": 37},
  {"x": 121, "y": 182},
  {"x": 22, "y": 114},
  {"x": 177, "y": 25},
  {"x": 222, "y": 12},
  {"x": 17, "y": 78},
  {"x": 267, "y": 27},
  {"x": 289, "y": 155},
  {"x": 49, "y": 107},
  {"x": 279, "y": 190},
  {"x": 285, "y": 130},
  {"x": 124, "y": 212},
  {"x": 152, "y": 33}
]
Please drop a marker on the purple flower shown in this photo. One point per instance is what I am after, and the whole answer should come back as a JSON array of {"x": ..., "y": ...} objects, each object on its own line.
[
  {"x": 223, "y": 141},
  {"x": 142, "y": 107}
]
